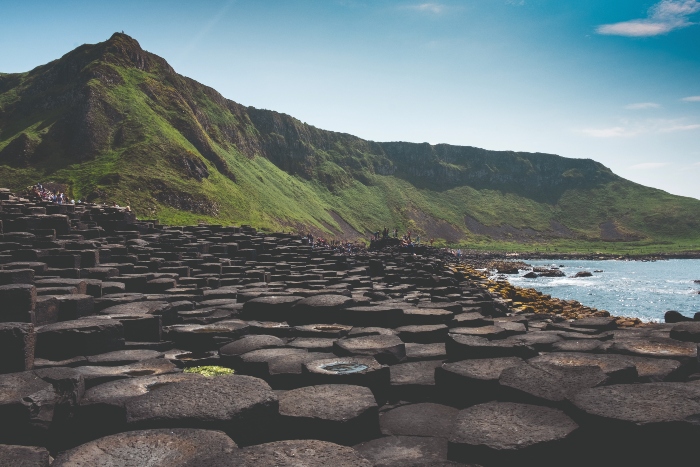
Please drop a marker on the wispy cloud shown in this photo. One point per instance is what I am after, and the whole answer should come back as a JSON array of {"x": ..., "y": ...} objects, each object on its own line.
[
  {"x": 662, "y": 18},
  {"x": 671, "y": 129},
  {"x": 628, "y": 129},
  {"x": 435, "y": 8},
  {"x": 649, "y": 165},
  {"x": 515, "y": 2},
  {"x": 691, "y": 99},
  {"x": 612, "y": 132},
  {"x": 642, "y": 106}
]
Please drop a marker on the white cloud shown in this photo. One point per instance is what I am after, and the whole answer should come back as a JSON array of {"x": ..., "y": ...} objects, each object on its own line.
[
  {"x": 628, "y": 129},
  {"x": 435, "y": 8},
  {"x": 671, "y": 129},
  {"x": 613, "y": 132},
  {"x": 691, "y": 99},
  {"x": 515, "y": 2},
  {"x": 642, "y": 106},
  {"x": 649, "y": 165},
  {"x": 663, "y": 18}
]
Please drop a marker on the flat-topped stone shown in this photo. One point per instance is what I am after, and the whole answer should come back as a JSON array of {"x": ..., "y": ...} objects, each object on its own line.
[
  {"x": 656, "y": 347},
  {"x": 414, "y": 381},
  {"x": 506, "y": 433},
  {"x": 360, "y": 371},
  {"x": 404, "y": 451},
  {"x": 469, "y": 382},
  {"x": 324, "y": 308},
  {"x": 24, "y": 456},
  {"x": 618, "y": 368},
  {"x": 649, "y": 415},
  {"x": 422, "y": 419},
  {"x": 296, "y": 453},
  {"x": 247, "y": 344},
  {"x": 242, "y": 406},
  {"x": 123, "y": 357},
  {"x": 271, "y": 308},
  {"x": 172, "y": 447},
  {"x": 384, "y": 348},
  {"x": 460, "y": 347},
  {"x": 340, "y": 413},
  {"x": 546, "y": 384}
]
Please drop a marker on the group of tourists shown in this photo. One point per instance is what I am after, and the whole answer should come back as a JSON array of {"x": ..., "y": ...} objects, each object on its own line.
[
  {"x": 337, "y": 246},
  {"x": 59, "y": 197},
  {"x": 406, "y": 239},
  {"x": 45, "y": 194}
]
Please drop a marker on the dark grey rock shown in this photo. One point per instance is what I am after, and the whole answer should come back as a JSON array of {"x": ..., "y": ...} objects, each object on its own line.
[
  {"x": 402, "y": 451},
  {"x": 385, "y": 349},
  {"x": 242, "y": 406},
  {"x": 506, "y": 433},
  {"x": 547, "y": 384},
  {"x": 23, "y": 456},
  {"x": 17, "y": 341},
  {"x": 173, "y": 447},
  {"x": 470, "y": 382},
  {"x": 296, "y": 453},
  {"x": 79, "y": 337},
  {"x": 424, "y": 419},
  {"x": 339, "y": 413}
]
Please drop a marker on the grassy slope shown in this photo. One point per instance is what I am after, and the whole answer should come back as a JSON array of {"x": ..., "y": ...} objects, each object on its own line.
[{"x": 138, "y": 166}]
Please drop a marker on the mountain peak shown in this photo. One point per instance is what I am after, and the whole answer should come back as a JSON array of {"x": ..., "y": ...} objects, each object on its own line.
[
  {"x": 123, "y": 40},
  {"x": 126, "y": 51}
]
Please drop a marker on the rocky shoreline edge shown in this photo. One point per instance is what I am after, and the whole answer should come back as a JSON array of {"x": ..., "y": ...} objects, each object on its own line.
[{"x": 373, "y": 358}]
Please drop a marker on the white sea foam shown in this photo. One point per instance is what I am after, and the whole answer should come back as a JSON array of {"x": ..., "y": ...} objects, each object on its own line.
[{"x": 644, "y": 290}]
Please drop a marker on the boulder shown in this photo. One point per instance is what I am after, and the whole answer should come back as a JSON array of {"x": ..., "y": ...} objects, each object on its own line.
[
  {"x": 687, "y": 332},
  {"x": 673, "y": 316}
]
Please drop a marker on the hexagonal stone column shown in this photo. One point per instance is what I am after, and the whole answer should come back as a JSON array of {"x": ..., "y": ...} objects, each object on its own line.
[
  {"x": 173, "y": 447},
  {"x": 307, "y": 453},
  {"x": 339, "y": 413},
  {"x": 506, "y": 433}
]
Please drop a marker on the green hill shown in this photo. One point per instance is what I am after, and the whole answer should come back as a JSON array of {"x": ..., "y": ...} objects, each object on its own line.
[{"x": 116, "y": 123}]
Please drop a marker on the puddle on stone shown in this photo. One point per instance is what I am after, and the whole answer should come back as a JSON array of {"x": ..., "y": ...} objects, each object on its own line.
[
  {"x": 344, "y": 368},
  {"x": 193, "y": 356}
]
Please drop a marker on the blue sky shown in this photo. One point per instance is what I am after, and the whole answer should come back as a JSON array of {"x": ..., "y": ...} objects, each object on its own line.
[{"x": 617, "y": 82}]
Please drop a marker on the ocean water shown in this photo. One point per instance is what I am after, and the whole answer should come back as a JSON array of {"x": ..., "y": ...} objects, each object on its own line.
[{"x": 644, "y": 290}]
